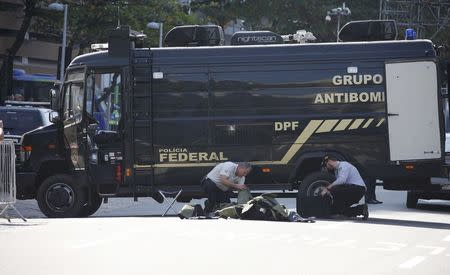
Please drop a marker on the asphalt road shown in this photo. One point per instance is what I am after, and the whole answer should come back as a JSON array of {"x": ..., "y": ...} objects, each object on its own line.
[{"x": 130, "y": 238}]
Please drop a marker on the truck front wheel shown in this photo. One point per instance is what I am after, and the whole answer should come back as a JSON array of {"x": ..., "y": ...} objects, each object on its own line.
[
  {"x": 59, "y": 196},
  {"x": 89, "y": 209}
]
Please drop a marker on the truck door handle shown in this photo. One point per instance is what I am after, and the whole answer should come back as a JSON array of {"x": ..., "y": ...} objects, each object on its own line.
[{"x": 390, "y": 114}]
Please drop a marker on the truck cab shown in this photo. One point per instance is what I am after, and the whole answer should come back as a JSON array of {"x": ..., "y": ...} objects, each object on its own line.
[{"x": 73, "y": 162}]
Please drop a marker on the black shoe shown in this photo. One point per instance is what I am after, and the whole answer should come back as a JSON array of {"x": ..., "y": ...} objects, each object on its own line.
[
  {"x": 377, "y": 201},
  {"x": 208, "y": 207},
  {"x": 365, "y": 212}
]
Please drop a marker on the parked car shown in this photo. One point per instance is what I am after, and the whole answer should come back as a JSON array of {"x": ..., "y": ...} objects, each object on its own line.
[{"x": 18, "y": 120}]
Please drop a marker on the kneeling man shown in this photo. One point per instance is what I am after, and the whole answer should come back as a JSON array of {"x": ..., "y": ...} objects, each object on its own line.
[
  {"x": 221, "y": 180},
  {"x": 347, "y": 189}
]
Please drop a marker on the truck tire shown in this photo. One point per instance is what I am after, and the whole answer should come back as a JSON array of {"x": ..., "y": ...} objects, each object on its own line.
[
  {"x": 59, "y": 196},
  {"x": 89, "y": 209},
  {"x": 310, "y": 183},
  {"x": 411, "y": 199}
]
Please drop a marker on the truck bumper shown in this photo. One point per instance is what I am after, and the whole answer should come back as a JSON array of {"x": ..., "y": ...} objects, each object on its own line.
[{"x": 25, "y": 185}]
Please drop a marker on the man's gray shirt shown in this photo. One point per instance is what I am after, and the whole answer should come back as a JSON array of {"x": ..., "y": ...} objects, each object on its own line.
[{"x": 347, "y": 174}]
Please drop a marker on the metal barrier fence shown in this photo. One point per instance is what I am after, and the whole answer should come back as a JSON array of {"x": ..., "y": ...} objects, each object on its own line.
[{"x": 8, "y": 178}]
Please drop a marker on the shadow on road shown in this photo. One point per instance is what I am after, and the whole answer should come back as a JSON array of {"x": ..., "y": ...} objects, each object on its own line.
[
  {"x": 434, "y": 207},
  {"x": 134, "y": 216},
  {"x": 408, "y": 223},
  {"x": 20, "y": 223}
]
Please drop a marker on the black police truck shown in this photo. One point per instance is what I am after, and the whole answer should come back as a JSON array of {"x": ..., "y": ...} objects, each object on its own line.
[{"x": 132, "y": 121}]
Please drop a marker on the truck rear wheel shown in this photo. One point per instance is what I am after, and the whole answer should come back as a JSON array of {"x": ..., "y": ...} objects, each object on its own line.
[
  {"x": 411, "y": 199},
  {"x": 59, "y": 196},
  {"x": 311, "y": 183}
]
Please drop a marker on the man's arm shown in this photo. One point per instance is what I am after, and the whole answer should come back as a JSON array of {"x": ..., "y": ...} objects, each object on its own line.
[
  {"x": 225, "y": 181},
  {"x": 342, "y": 177}
]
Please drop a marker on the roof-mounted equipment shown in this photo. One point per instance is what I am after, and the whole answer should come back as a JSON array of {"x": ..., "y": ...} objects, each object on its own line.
[
  {"x": 122, "y": 39},
  {"x": 255, "y": 38},
  {"x": 301, "y": 36},
  {"x": 368, "y": 30},
  {"x": 195, "y": 35}
]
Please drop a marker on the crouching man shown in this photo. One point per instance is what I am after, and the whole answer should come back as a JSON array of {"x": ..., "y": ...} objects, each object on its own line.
[
  {"x": 346, "y": 190},
  {"x": 221, "y": 180}
]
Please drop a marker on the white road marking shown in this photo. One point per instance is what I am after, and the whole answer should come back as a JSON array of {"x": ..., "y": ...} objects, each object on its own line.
[
  {"x": 388, "y": 246},
  {"x": 447, "y": 239},
  {"x": 436, "y": 250},
  {"x": 412, "y": 262}
]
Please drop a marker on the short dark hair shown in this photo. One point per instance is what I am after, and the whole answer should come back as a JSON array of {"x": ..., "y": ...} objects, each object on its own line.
[{"x": 326, "y": 158}]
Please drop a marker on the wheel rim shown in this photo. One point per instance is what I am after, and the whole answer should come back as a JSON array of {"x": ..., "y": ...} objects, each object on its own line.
[
  {"x": 313, "y": 188},
  {"x": 60, "y": 197}
]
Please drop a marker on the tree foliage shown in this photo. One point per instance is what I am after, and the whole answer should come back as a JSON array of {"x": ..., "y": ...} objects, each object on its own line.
[
  {"x": 6, "y": 71},
  {"x": 288, "y": 16},
  {"x": 285, "y": 16},
  {"x": 91, "y": 21}
]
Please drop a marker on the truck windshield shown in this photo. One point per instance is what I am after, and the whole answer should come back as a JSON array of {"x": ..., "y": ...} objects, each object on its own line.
[
  {"x": 104, "y": 99},
  {"x": 73, "y": 99}
]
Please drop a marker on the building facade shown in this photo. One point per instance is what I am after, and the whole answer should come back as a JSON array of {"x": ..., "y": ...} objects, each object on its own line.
[{"x": 38, "y": 54}]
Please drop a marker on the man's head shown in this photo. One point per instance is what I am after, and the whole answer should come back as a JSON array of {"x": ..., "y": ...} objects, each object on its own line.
[
  {"x": 329, "y": 162},
  {"x": 243, "y": 169}
]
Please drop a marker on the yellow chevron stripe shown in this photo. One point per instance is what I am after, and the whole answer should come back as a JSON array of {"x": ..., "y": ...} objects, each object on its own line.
[
  {"x": 342, "y": 125},
  {"x": 356, "y": 124},
  {"x": 302, "y": 138},
  {"x": 368, "y": 123},
  {"x": 327, "y": 125},
  {"x": 381, "y": 122}
]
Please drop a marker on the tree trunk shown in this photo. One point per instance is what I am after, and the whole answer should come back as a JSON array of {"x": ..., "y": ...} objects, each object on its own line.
[{"x": 6, "y": 71}]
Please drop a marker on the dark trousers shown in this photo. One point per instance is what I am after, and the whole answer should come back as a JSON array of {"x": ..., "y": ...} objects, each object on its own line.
[
  {"x": 344, "y": 196},
  {"x": 215, "y": 195},
  {"x": 371, "y": 185}
]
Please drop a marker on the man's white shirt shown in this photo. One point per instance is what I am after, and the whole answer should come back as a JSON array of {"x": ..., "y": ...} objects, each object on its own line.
[{"x": 227, "y": 169}]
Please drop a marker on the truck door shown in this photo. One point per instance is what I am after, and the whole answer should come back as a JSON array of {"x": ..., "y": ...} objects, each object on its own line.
[
  {"x": 103, "y": 110},
  {"x": 74, "y": 124},
  {"x": 413, "y": 111}
]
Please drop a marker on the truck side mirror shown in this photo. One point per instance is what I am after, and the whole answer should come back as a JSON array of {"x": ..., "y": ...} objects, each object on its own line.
[
  {"x": 53, "y": 117},
  {"x": 53, "y": 99}
]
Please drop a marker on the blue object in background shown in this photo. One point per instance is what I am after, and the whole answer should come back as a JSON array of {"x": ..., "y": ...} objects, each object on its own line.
[
  {"x": 410, "y": 34},
  {"x": 21, "y": 75}
]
